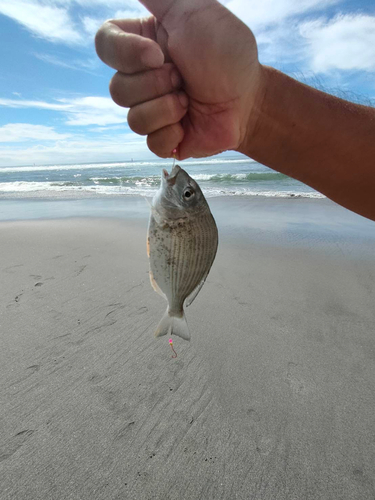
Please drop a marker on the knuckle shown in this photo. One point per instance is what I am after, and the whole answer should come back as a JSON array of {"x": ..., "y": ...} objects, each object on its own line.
[
  {"x": 136, "y": 121},
  {"x": 155, "y": 146},
  {"x": 165, "y": 139},
  {"x": 100, "y": 38},
  {"x": 117, "y": 91}
]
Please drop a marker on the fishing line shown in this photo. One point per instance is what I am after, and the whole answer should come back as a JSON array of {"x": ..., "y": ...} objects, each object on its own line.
[
  {"x": 174, "y": 157},
  {"x": 174, "y": 355}
]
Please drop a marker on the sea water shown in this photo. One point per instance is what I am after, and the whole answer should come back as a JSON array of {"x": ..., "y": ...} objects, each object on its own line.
[{"x": 234, "y": 175}]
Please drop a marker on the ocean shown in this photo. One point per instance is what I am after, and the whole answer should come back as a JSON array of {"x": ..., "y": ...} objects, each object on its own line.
[
  {"x": 217, "y": 176},
  {"x": 244, "y": 196}
]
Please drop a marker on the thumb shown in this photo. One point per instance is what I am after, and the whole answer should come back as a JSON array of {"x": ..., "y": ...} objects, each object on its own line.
[{"x": 169, "y": 12}]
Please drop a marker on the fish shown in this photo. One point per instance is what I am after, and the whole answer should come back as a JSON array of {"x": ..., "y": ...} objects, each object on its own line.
[{"x": 182, "y": 242}]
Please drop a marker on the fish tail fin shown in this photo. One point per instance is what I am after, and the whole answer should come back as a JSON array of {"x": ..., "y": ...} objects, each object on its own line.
[{"x": 173, "y": 325}]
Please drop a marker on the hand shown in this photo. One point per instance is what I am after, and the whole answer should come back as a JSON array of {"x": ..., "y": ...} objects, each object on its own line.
[{"x": 190, "y": 75}]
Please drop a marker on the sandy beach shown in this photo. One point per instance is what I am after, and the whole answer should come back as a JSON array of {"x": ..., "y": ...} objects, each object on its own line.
[{"x": 274, "y": 397}]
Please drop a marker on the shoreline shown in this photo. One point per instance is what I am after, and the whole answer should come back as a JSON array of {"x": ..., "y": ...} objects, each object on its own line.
[{"x": 297, "y": 222}]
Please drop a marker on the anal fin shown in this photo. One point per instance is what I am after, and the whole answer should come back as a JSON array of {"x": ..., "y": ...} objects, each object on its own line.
[{"x": 190, "y": 299}]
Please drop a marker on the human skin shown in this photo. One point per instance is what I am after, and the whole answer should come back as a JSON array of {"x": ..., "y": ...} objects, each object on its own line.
[{"x": 191, "y": 77}]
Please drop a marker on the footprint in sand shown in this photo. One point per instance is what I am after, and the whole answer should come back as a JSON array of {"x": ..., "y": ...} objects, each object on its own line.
[
  {"x": 33, "y": 369},
  {"x": 299, "y": 379},
  {"x": 113, "y": 401},
  {"x": 16, "y": 300},
  {"x": 12, "y": 269},
  {"x": 253, "y": 416},
  {"x": 13, "y": 444},
  {"x": 80, "y": 270},
  {"x": 139, "y": 311},
  {"x": 36, "y": 276},
  {"x": 117, "y": 307},
  {"x": 264, "y": 443},
  {"x": 123, "y": 432},
  {"x": 96, "y": 378}
]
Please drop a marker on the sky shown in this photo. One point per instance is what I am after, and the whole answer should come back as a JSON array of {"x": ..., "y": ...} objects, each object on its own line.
[{"x": 54, "y": 100}]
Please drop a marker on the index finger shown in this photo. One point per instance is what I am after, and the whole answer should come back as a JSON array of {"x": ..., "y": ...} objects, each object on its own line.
[{"x": 129, "y": 45}]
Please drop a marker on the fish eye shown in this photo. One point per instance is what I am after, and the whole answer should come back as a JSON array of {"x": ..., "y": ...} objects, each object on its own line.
[{"x": 188, "y": 193}]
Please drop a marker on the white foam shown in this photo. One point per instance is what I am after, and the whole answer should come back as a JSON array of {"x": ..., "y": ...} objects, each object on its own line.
[
  {"x": 50, "y": 168},
  {"x": 211, "y": 193},
  {"x": 141, "y": 188},
  {"x": 124, "y": 164}
]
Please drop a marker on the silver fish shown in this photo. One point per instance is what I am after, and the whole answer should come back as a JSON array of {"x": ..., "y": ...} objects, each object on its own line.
[{"x": 181, "y": 245}]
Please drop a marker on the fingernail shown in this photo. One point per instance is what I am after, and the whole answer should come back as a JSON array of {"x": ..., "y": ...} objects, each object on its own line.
[
  {"x": 184, "y": 100},
  {"x": 176, "y": 78},
  {"x": 152, "y": 57}
]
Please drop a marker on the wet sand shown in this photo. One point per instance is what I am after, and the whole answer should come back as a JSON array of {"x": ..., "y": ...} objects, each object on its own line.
[{"x": 274, "y": 397}]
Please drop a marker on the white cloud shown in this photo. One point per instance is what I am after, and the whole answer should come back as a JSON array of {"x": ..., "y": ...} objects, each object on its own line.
[
  {"x": 107, "y": 128},
  {"x": 91, "y": 25},
  {"x": 347, "y": 42},
  {"x": 132, "y": 13},
  {"x": 112, "y": 4},
  {"x": 94, "y": 111},
  {"x": 87, "y": 66},
  {"x": 47, "y": 21},
  {"x": 131, "y": 8},
  {"x": 23, "y": 103},
  {"x": 267, "y": 12},
  {"x": 276, "y": 27},
  {"x": 104, "y": 148},
  {"x": 278, "y": 46},
  {"x": 83, "y": 111},
  {"x": 59, "y": 20},
  {"x": 21, "y": 132}
]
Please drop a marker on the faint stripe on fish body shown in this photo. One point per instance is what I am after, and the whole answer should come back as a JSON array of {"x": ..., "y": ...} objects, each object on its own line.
[
  {"x": 188, "y": 275},
  {"x": 201, "y": 250},
  {"x": 187, "y": 246},
  {"x": 178, "y": 261},
  {"x": 200, "y": 258}
]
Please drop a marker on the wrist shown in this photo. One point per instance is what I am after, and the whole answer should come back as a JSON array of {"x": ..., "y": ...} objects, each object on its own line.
[{"x": 262, "y": 122}]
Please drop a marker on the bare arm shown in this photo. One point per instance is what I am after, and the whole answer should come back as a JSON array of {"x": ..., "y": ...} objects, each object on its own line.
[
  {"x": 192, "y": 79},
  {"x": 323, "y": 141}
]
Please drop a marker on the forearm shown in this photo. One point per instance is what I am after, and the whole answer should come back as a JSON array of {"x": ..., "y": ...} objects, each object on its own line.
[{"x": 321, "y": 140}]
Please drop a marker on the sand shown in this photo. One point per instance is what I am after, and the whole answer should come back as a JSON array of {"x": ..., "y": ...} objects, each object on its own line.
[{"x": 274, "y": 398}]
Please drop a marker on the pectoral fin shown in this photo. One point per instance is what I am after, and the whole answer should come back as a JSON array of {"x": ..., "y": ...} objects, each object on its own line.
[{"x": 155, "y": 286}]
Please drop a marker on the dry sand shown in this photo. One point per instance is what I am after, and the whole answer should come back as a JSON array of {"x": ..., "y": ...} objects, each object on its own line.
[{"x": 274, "y": 398}]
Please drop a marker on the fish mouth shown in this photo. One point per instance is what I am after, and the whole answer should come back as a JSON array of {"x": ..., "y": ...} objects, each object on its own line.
[{"x": 171, "y": 178}]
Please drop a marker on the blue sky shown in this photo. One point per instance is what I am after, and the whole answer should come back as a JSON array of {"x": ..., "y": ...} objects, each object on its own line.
[{"x": 54, "y": 101}]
